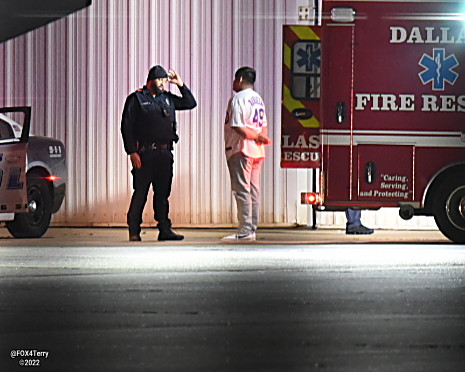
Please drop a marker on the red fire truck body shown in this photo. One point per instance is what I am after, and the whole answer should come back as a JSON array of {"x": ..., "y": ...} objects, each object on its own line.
[{"x": 392, "y": 109}]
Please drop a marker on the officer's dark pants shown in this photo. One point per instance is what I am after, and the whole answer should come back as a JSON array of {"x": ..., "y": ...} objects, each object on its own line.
[{"x": 157, "y": 170}]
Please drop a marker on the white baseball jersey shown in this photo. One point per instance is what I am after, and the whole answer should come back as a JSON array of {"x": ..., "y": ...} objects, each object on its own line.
[{"x": 245, "y": 109}]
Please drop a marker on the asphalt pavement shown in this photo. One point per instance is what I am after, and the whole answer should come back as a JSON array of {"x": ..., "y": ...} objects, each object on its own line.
[{"x": 83, "y": 299}]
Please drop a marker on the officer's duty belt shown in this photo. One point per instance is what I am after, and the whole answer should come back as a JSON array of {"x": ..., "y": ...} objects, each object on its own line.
[{"x": 154, "y": 146}]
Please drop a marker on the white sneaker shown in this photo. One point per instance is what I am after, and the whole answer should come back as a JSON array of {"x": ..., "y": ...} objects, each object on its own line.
[{"x": 239, "y": 238}]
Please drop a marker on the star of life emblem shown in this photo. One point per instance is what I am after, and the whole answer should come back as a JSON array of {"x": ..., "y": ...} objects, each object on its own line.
[
  {"x": 439, "y": 69},
  {"x": 306, "y": 69},
  {"x": 307, "y": 57}
]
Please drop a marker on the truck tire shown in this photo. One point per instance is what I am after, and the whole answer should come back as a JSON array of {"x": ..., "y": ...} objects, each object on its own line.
[
  {"x": 34, "y": 223},
  {"x": 449, "y": 209}
]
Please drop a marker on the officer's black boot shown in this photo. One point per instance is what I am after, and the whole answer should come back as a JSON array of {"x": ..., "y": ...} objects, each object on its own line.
[
  {"x": 169, "y": 235},
  {"x": 134, "y": 237}
]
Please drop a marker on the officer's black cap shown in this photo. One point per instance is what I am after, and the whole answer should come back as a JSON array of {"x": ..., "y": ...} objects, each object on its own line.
[{"x": 157, "y": 72}]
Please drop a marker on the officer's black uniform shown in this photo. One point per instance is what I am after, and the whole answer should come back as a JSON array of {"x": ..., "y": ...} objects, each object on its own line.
[{"x": 148, "y": 127}]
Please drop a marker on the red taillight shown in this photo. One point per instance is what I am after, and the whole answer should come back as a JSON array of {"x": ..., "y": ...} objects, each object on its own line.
[
  {"x": 310, "y": 198},
  {"x": 52, "y": 178}
]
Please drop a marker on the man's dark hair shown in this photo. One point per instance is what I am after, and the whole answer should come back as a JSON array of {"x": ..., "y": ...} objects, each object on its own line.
[{"x": 246, "y": 73}]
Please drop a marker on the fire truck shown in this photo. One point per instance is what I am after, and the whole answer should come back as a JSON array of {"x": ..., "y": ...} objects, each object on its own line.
[{"x": 374, "y": 99}]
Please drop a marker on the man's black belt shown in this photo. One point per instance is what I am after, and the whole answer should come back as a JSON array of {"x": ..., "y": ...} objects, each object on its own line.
[{"x": 154, "y": 146}]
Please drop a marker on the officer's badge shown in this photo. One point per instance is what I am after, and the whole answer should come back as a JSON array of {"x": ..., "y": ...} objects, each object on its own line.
[{"x": 167, "y": 102}]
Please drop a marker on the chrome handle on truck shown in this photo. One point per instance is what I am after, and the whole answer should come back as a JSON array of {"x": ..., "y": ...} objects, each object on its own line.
[
  {"x": 340, "y": 112},
  {"x": 370, "y": 172}
]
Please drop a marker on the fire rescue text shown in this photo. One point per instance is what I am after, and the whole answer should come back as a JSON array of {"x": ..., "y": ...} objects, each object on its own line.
[
  {"x": 409, "y": 102},
  {"x": 302, "y": 142}
]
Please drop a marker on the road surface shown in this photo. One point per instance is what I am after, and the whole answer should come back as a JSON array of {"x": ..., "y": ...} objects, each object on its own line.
[{"x": 355, "y": 306}]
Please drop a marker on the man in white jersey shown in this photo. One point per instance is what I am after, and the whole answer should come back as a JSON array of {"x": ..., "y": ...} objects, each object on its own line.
[{"x": 245, "y": 134}]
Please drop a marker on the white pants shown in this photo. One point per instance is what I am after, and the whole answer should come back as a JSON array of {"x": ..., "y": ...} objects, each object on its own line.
[{"x": 245, "y": 184}]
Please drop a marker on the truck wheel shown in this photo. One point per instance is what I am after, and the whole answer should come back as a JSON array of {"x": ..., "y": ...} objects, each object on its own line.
[
  {"x": 34, "y": 223},
  {"x": 449, "y": 209}
]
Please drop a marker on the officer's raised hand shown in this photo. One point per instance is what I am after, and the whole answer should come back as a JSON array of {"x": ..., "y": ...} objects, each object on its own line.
[{"x": 175, "y": 78}]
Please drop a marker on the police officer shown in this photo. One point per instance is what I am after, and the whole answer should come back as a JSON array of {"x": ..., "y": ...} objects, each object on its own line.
[{"x": 148, "y": 127}]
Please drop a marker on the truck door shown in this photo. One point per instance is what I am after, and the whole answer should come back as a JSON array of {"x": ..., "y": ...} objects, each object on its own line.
[
  {"x": 337, "y": 123},
  {"x": 388, "y": 120},
  {"x": 13, "y": 189},
  {"x": 360, "y": 142},
  {"x": 300, "y": 114}
]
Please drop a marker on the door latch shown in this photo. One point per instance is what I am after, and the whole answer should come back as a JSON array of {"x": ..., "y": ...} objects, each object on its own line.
[
  {"x": 340, "y": 112},
  {"x": 370, "y": 172}
]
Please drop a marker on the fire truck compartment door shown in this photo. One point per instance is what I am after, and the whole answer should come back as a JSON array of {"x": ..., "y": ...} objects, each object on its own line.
[
  {"x": 385, "y": 173},
  {"x": 337, "y": 81}
]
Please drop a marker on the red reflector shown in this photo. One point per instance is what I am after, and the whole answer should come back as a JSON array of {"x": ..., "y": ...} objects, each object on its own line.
[
  {"x": 310, "y": 198},
  {"x": 52, "y": 178}
]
